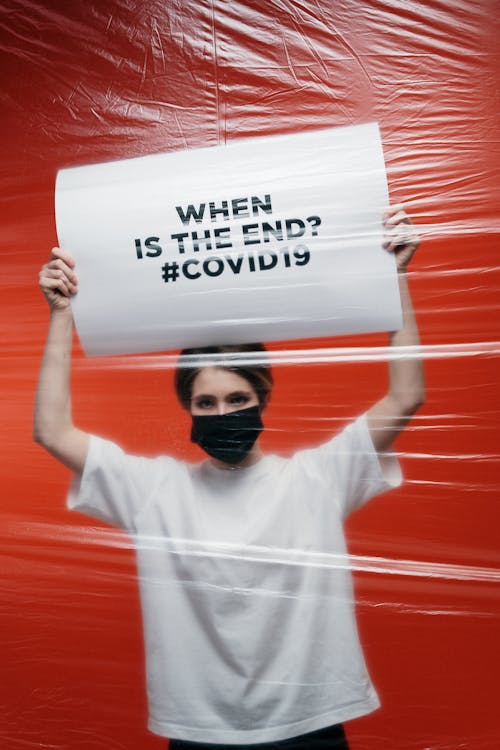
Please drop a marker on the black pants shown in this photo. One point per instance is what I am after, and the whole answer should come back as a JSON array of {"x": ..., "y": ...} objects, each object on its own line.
[{"x": 329, "y": 738}]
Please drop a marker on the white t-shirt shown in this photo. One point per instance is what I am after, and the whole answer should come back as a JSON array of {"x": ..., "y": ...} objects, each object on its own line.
[{"x": 249, "y": 626}]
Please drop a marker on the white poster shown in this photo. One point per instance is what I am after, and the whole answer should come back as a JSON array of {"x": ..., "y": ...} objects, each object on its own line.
[{"x": 269, "y": 238}]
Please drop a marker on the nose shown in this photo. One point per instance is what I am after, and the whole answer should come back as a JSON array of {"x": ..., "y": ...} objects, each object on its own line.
[{"x": 222, "y": 408}]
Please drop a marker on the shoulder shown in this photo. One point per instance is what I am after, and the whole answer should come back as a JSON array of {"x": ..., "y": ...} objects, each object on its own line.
[
  {"x": 348, "y": 453},
  {"x": 351, "y": 437},
  {"x": 116, "y": 486},
  {"x": 104, "y": 452}
]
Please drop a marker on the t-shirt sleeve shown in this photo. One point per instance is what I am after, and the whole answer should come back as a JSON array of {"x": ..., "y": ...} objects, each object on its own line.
[
  {"x": 113, "y": 486},
  {"x": 354, "y": 469}
]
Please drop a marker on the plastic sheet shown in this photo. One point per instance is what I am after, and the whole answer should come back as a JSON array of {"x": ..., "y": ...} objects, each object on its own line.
[{"x": 87, "y": 83}]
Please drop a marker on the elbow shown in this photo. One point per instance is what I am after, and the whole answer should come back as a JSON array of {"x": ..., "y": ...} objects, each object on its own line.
[
  {"x": 38, "y": 433},
  {"x": 407, "y": 401},
  {"x": 413, "y": 401},
  {"x": 41, "y": 436},
  {"x": 419, "y": 395},
  {"x": 418, "y": 403},
  {"x": 45, "y": 436}
]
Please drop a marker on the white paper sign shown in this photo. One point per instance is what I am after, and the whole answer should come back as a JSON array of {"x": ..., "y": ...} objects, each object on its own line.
[{"x": 268, "y": 238}]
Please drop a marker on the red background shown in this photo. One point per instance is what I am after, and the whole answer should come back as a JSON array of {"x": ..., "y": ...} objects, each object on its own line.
[{"x": 86, "y": 82}]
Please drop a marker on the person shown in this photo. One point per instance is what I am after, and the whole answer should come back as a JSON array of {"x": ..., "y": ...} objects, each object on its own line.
[{"x": 247, "y": 601}]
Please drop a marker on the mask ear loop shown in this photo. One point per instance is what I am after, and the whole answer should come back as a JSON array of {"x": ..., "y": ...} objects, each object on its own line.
[{"x": 264, "y": 403}]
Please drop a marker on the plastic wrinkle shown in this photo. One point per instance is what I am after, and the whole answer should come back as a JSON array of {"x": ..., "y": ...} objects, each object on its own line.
[
  {"x": 82, "y": 536},
  {"x": 328, "y": 355},
  {"x": 403, "y": 608}
]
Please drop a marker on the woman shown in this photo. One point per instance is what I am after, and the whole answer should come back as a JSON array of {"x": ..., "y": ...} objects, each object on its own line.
[{"x": 249, "y": 626}]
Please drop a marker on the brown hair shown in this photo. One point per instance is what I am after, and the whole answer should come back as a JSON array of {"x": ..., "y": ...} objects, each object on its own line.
[{"x": 247, "y": 360}]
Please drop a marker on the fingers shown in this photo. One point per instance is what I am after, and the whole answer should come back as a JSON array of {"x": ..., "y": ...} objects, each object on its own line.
[
  {"x": 57, "y": 279},
  {"x": 395, "y": 214},
  {"x": 400, "y": 235},
  {"x": 399, "y": 230},
  {"x": 60, "y": 266},
  {"x": 53, "y": 278},
  {"x": 56, "y": 253}
]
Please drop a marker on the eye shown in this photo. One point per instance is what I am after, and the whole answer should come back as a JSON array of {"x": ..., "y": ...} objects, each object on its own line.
[
  {"x": 204, "y": 403},
  {"x": 239, "y": 399}
]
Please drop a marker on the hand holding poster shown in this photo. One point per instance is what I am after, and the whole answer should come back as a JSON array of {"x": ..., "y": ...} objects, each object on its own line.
[{"x": 263, "y": 239}]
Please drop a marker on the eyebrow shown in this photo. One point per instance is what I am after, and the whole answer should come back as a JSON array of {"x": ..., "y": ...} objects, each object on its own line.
[{"x": 239, "y": 392}]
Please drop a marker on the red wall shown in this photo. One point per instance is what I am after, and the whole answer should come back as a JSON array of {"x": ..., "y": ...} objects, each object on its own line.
[{"x": 86, "y": 82}]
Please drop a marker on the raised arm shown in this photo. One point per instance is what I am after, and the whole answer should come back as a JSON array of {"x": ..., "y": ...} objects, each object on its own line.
[
  {"x": 53, "y": 423},
  {"x": 406, "y": 392}
]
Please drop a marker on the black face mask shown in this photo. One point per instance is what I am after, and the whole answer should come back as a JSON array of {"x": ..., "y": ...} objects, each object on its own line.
[{"x": 228, "y": 437}]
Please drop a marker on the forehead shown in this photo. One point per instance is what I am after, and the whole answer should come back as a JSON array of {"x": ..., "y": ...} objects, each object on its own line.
[{"x": 211, "y": 380}]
